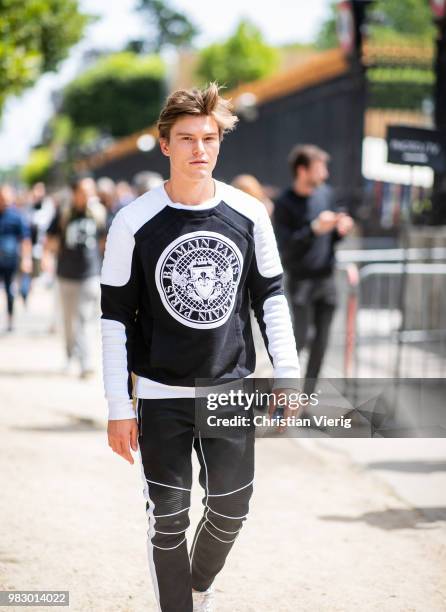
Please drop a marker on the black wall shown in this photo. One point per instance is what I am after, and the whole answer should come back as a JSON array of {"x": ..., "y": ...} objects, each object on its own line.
[{"x": 329, "y": 115}]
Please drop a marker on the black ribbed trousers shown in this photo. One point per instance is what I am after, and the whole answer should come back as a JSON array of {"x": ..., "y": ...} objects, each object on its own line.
[{"x": 167, "y": 434}]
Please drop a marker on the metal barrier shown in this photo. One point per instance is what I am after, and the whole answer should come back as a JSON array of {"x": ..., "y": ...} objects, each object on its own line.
[
  {"x": 363, "y": 256},
  {"x": 392, "y": 320}
]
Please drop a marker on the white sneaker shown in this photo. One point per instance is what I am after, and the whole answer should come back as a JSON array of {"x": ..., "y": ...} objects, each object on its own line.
[{"x": 203, "y": 600}]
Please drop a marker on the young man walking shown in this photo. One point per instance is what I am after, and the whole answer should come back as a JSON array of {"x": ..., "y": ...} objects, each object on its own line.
[
  {"x": 307, "y": 225},
  {"x": 183, "y": 265},
  {"x": 76, "y": 237}
]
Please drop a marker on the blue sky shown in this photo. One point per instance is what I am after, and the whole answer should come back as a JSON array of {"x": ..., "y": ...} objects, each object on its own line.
[{"x": 281, "y": 21}]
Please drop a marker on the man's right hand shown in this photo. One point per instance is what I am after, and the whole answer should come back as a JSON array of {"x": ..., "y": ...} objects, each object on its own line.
[
  {"x": 325, "y": 222},
  {"x": 122, "y": 435}
]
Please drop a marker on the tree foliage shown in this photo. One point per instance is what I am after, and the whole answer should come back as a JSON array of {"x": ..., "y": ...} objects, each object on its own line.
[
  {"x": 38, "y": 166},
  {"x": 327, "y": 37},
  {"x": 403, "y": 88},
  {"x": 167, "y": 26},
  {"x": 390, "y": 21},
  {"x": 244, "y": 57},
  {"x": 412, "y": 18},
  {"x": 35, "y": 35},
  {"x": 118, "y": 95},
  {"x": 396, "y": 23}
]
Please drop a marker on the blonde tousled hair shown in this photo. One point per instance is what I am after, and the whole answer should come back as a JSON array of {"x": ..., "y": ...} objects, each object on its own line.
[{"x": 192, "y": 102}]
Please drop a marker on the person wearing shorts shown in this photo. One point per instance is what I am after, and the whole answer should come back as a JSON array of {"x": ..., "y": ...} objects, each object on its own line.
[{"x": 183, "y": 266}]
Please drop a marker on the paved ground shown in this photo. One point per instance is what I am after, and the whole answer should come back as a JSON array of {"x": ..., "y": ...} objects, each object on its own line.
[{"x": 326, "y": 533}]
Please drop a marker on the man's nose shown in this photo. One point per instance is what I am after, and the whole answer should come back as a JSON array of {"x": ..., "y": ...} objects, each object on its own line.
[{"x": 199, "y": 146}]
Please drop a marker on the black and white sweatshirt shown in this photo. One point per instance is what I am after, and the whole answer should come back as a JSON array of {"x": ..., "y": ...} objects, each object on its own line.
[{"x": 178, "y": 282}]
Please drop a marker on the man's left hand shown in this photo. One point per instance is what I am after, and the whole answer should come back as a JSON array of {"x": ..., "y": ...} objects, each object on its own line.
[
  {"x": 291, "y": 408},
  {"x": 344, "y": 224}
]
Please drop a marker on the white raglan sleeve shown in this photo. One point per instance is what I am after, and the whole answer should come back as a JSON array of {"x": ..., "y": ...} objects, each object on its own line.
[
  {"x": 119, "y": 304},
  {"x": 270, "y": 305}
]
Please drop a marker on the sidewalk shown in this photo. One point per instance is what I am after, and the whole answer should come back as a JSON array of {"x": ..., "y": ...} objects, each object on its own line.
[{"x": 324, "y": 533}]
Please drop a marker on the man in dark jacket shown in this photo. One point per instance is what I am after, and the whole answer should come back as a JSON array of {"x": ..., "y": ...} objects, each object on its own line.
[{"x": 308, "y": 223}]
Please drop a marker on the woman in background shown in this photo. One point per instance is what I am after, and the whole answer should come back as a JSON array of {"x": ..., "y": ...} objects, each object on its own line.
[{"x": 249, "y": 184}]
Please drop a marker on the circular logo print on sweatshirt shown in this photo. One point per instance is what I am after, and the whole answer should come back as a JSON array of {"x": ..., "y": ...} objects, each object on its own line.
[{"x": 197, "y": 277}]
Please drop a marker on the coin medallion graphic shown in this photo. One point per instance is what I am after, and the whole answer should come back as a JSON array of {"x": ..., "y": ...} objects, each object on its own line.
[{"x": 197, "y": 277}]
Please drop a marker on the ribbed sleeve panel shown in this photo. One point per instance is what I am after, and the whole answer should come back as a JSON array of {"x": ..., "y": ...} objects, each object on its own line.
[
  {"x": 281, "y": 343},
  {"x": 266, "y": 253},
  {"x": 114, "y": 368},
  {"x": 269, "y": 303},
  {"x": 119, "y": 306}
]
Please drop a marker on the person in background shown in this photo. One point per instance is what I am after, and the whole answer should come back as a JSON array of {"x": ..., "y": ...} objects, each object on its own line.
[
  {"x": 61, "y": 199},
  {"x": 249, "y": 184},
  {"x": 308, "y": 224},
  {"x": 41, "y": 212},
  {"x": 107, "y": 194},
  {"x": 76, "y": 236},
  {"x": 124, "y": 194},
  {"x": 145, "y": 181},
  {"x": 39, "y": 209},
  {"x": 22, "y": 280},
  {"x": 15, "y": 247}
]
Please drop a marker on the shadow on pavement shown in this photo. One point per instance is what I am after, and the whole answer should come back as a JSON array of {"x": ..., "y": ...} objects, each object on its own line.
[
  {"x": 391, "y": 519},
  {"x": 419, "y": 467}
]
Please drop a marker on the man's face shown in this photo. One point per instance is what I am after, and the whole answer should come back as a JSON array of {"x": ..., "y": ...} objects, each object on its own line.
[
  {"x": 193, "y": 147},
  {"x": 38, "y": 192},
  {"x": 315, "y": 174},
  {"x": 7, "y": 196},
  {"x": 81, "y": 195}
]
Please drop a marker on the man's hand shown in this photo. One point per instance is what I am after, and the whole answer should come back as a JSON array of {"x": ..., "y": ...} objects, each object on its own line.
[
  {"x": 26, "y": 250},
  {"x": 325, "y": 222},
  {"x": 50, "y": 250},
  {"x": 122, "y": 435},
  {"x": 290, "y": 409},
  {"x": 344, "y": 224},
  {"x": 26, "y": 265}
]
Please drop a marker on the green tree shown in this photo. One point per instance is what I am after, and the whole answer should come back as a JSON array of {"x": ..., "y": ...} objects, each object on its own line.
[
  {"x": 38, "y": 166},
  {"x": 35, "y": 36},
  {"x": 391, "y": 21},
  {"x": 327, "y": 37},
  {"x": 244, "y": 57},
  {"x": 411, "y": 18},
  {"x": 399, "y": 87},
  {"x": 167, "y": 26},
  {"x": 118, "y": 95}
]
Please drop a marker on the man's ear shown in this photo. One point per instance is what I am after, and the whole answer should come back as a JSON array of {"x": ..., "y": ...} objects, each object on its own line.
[{"x": 164, "y": 146}]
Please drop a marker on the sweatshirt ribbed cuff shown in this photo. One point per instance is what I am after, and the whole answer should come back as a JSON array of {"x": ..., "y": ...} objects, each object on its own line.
[
  {"x": 120, "y": 409},
  {"x": 286, "y": 378}
]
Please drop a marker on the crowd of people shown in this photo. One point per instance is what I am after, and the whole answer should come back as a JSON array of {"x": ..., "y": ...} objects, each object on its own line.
[{"x": 61, "y": 236}]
